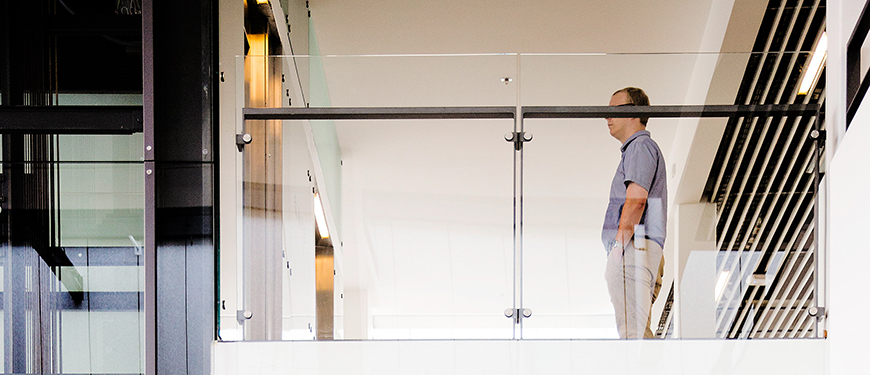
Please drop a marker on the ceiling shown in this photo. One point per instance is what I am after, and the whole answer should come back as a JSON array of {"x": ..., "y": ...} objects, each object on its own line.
[
  {"x": 427, "y": 205},
  {"x": 497, "y": 26}
]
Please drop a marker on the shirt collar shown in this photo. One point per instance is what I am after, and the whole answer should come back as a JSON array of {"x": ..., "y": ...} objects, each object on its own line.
[{"x": 639, "y": 133}]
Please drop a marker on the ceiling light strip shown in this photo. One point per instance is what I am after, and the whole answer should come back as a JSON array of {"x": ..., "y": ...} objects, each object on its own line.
[{"x": 814, "y": 69}]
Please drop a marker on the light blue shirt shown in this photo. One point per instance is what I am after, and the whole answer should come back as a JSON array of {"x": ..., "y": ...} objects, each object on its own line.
[{"x": 642, "y": 163}]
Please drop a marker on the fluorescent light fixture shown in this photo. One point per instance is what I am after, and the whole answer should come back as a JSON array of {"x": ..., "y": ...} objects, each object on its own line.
[
  {"x": 319, "y": 217},
  {"x": 262, "y": 1},
  {"x": 720, "y": 284},
  {"x": 811, "y": 76}
]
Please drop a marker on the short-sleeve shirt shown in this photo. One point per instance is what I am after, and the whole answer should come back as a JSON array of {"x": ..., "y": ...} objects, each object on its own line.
[{"x": 642, "y": 163}]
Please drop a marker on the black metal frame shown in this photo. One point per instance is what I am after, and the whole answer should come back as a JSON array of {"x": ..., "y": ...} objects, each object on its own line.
[
  {"x": 150, "y": 256},
  {"x": 504, "y": 112},
  {"x": 70, "y": 120},
  {"x": 377, "y": 113},
  {"x": 856, "y": 88}
]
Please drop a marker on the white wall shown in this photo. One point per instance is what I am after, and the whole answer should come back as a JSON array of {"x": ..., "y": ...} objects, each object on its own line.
[
  {"x": 849, "y": 221},
  {"x": 847, "y": 179},
  {"x": 670, "y": 357}
]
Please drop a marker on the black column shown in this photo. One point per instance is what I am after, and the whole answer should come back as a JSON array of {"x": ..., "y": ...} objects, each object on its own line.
[{"x": 180, "y": 95}]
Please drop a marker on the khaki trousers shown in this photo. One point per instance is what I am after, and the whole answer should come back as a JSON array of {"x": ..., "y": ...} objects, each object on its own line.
[{"x": 634, "y": 280}]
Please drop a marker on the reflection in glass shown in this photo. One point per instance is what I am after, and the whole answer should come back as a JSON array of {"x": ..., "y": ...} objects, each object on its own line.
[{"x": 72, "y": 233}]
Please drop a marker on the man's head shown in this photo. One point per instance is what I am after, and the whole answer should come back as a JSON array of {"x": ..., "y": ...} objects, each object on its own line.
[{"x": 622, "y": 128}]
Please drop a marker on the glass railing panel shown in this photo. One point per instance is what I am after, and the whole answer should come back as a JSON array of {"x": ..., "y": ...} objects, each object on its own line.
[
  {"x": 588, "y": 79},
  {"x": 568, "y": 167},
  {"x": 427, "y": 246},
  {"x": 740, "y": 245},
  {"x": 747, "y": 264},
  {"x": 413, "y": 81},
  {"x": 740, "y": 196},
  {"x": 387, "y": 80},
  {"x": 372, "y": 299},
  {"x": 432, "y": 241},
  {"x": 740, "y": 241}
]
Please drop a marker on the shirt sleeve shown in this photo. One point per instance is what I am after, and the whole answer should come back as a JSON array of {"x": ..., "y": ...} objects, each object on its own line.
[{"x": 640, "y": 164}]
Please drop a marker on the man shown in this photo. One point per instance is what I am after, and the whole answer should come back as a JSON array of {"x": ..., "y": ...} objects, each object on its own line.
[{"x": 635, "y": 221}]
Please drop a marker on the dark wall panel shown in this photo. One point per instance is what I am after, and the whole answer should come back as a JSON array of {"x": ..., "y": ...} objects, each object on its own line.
[{"x": 184, "y": 228}]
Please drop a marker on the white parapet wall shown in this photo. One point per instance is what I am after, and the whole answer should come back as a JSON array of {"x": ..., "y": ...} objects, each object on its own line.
[{"x": 669, "y": 357}]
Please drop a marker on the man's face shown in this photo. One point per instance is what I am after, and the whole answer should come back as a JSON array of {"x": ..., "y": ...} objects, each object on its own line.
[{"x": 620, "y": 126}]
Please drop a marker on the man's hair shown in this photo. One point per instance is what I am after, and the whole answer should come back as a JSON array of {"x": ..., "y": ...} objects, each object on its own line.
[{"x": 636, "y": 96}]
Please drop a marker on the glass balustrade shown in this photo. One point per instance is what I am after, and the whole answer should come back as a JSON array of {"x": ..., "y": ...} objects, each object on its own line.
[{"x": 464, "y": 197}]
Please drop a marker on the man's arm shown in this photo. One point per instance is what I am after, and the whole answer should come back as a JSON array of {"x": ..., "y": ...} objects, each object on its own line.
[{"x": 635, "y": 203}]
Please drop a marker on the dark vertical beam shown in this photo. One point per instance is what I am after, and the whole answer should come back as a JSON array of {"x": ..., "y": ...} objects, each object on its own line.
[
  {"x": 15, "y": 308},
  {"x": 150, "y": 261},
  {"x": 14, "y": 14},
  {"x": 855, "y": 87},
  {"x": 16, "y": 314},
  {"x": 182, "y": 134},
  {"x": 5, "y": 51},
  {"x": 214, "y": 37},
  {"x": 6, "y": 252}
]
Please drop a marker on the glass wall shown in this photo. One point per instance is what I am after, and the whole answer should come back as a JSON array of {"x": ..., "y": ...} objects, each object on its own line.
[
  {"x": 73, "y": 231},
  {"x": 464, "y": 196}
]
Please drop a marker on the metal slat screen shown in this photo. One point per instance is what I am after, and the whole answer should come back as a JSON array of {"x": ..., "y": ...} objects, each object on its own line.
[{"x": 763, "y": 185}]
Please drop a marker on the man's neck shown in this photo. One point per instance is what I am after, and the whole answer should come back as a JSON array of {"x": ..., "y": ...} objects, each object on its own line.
[{"x": 631, "y": 132}]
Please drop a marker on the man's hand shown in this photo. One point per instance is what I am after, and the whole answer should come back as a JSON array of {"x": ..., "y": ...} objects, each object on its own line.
[{"x": 635, "y": 203}]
